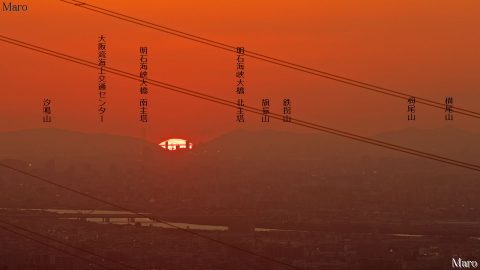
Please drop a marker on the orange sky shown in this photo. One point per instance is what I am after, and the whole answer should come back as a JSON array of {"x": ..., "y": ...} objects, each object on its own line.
[{"x": 428, "y": 48}]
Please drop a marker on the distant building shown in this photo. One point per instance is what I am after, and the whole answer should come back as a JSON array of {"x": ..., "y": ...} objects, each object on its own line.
[{"x": 176, "y": 144}]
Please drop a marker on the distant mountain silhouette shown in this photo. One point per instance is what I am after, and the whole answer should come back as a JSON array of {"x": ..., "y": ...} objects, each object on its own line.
[
  {"x": 46, "y": 144},
  {"x": 240, "y": 169},
  {"x": 448, "y": 141},
  {"x": 275, "y": 144}
]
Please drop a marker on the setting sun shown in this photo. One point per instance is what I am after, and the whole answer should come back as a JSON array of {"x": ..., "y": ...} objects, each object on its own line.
[{"x": 176, "y": 144}]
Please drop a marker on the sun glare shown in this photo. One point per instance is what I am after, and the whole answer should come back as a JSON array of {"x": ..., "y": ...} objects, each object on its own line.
[{"x": 176, "y": 144}]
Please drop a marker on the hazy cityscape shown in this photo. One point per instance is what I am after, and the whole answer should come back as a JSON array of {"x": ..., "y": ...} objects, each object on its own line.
[
  {"x": 239, "y": 135},
  {"x": 286, "y": 196}
]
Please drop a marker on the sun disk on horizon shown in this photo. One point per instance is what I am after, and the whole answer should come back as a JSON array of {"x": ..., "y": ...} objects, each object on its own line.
[{"x": 176, "y": 144}]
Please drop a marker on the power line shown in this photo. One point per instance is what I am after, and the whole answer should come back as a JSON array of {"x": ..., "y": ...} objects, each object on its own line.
[
  {"x": 68, "y": 245},
  {"x": 54, "y": 247},
  {"x": 269, "y": 59},
  {"x": 151, "y": 217},
  {"x": 228, "y": 103}
]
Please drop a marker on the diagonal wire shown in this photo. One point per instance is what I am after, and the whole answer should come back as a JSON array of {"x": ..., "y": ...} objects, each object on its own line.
[
  {"x": 228, "y": 103},
  {"x": 54, "y": 247},
  {"x": 269, "y": 59},
  {"x": 48, "y": 238}
]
